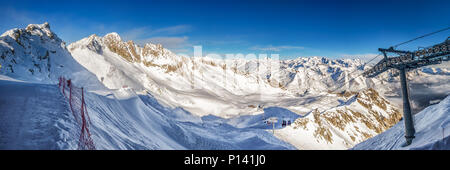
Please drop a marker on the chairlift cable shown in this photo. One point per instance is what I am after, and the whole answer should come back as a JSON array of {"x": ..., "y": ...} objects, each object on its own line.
[{"x": 425, "y": 35}]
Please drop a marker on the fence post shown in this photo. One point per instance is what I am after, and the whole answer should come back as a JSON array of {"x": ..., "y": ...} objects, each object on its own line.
[
  {"x": 84, "y": 110},
  {"x": 83, "y": 120},
  {"x": 64, "y": 86}
]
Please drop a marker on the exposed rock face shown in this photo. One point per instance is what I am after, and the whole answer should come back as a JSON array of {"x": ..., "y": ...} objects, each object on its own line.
[
  {"x": 30, "y": 51},
  {"x": 124, "y": 49},
  {"x": 362, "y": 116},
  {"x": 129, "y": 50},
  {"x": 429, "y": 124}
]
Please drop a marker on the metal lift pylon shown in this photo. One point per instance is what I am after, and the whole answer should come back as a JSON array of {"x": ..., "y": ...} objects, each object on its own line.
[{"x": 408, "y": 61}]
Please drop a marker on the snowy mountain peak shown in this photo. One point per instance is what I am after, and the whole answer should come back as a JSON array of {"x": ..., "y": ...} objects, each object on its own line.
[
  {"x": 113, "y": 36},
  {"x": 35, "y": 53},
  {"x": 45, "y": 27},
  {"x": 92, "y": 37},
  {"x": 128, "y": 50},
  {"x": 41, "y": 30},
  {"x": 359, "y": 116}
]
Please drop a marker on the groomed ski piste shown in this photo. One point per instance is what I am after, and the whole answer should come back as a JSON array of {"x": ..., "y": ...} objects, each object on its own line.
[{"x": 37, "y": 116}]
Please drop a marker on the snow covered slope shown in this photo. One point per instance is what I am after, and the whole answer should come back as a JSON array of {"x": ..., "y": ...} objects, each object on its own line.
[
  {"x": 230, "y": 87},
  {"x": 358, "y": 117},
  {"x": 241, "y": 89},
  {"x": 124, "y": 119},
  {"x": 432, "y": 131},
  {"x": 34, "y": 116},
  {"x": 149, "y": 98}
]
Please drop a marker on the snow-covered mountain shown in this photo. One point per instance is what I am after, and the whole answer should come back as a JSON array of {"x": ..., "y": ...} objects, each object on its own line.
[
  {"x": 231, "y": 86},
  {"x": 36, "y": 54},
  {"x": 432, "y": 131},
  {"x": 35, "y": 114},
  {"x": 150, "y": 98},
  {"x": 359, "y": 116},
  {"x": 222, "y": 83},
  {"x": 235, "y": 88}
]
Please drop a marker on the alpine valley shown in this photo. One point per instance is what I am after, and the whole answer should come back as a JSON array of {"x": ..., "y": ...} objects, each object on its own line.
[{"x": 147, "y": 97}]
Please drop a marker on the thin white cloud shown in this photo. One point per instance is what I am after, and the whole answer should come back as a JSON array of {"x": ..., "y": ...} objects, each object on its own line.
[
  {"x": 276, "y": 48},
  {"x": 164, "y": 36},
  {"x": 364, "y": 57},
  {"x": 222, "y": 42},
  {"x": 146, "y": 32},
  {"x": 178, "y": 29},
  {"x": 176, "y": 44},
  {"x": 135, "y": 33},
  {"x": 19, "y": 16}
]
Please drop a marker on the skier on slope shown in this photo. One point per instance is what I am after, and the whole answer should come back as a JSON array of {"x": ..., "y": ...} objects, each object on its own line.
[{"x": 68, "y": 83}]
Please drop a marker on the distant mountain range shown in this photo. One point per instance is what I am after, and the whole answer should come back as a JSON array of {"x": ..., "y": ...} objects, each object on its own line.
[{"x": 336, "y": 108}]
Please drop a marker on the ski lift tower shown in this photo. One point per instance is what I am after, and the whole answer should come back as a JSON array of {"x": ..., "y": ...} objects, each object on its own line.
[
  {"x": 404, "y": 62},
  {"x": 273, "y": 120}
]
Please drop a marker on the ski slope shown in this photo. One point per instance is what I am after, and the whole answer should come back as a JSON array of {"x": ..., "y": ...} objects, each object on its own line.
[
  {"x": 36, "y": 116},
  {"x": 432, "y": 131},
  {"x": 124, "y": 119}
]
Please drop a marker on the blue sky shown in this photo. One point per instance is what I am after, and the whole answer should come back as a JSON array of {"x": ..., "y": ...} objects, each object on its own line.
[{"x": 289, "y": 28}]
